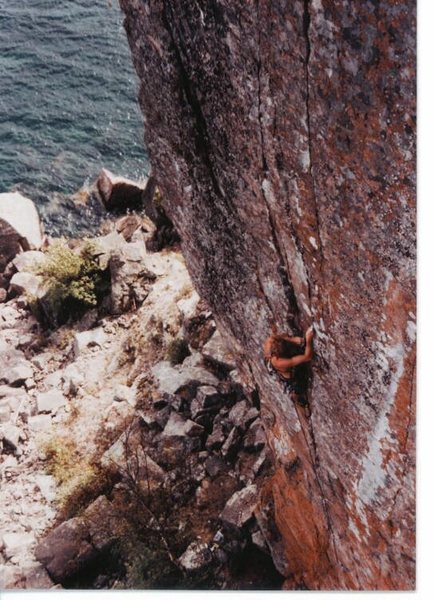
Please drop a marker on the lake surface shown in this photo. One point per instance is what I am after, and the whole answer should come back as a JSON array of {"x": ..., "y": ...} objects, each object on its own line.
[{"x": 67, "y": 102}]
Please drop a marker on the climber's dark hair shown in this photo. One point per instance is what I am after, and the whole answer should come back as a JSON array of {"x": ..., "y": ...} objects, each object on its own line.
[{"x": 282, "y": 348}]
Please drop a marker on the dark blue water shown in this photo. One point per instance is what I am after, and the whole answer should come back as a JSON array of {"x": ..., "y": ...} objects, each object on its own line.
[{"x": 67, "y": 100}]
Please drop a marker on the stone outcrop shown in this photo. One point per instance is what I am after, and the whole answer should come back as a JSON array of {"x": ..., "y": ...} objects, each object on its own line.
[
  {"x": 20, "y": 227},
  {"x": 283, "y": 139}
]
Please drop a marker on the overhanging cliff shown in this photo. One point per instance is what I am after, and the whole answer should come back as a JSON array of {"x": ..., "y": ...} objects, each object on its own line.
[{"x": 282, "y": 136}]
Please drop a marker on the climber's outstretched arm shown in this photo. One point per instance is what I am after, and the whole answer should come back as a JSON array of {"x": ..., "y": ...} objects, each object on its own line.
[
  {"x": 267, "y": 347},
  {"x": 283, "y": 364}
]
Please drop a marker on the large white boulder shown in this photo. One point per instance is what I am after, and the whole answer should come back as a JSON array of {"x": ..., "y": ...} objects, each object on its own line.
[{"x": 20, "y": 227}]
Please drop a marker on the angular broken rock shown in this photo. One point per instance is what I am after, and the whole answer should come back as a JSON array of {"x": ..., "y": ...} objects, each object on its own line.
[
  {"x": 177, "y": 426},
  {"x": 27, "y": 283},
  {"x": 102, "y": 523},
  {"x": 15, "y": 543},
  {"x": 15, "y": 368},
  {"x": 72, "y": 378},
  {"x": 240, "y": 507},
  {"x": 255, "y": 439},
  {"x": 217, "y": 350},
  {"x": 28, "y": 261},
  {"x": 86, "y": 339},
  {"x": 130, "y": 279},
  {"x": 216, "y": 439},
  {"x": 66, "y": 550},
  {"x": 119, "y": 193},
  {"x": 173, "y": 379},
  {"x": 232, "y": 443},
  {"x": 128, "y": 457},
  {"x": 50, "y": 402},
  {"x": 123, "y": 393},
  {"x": 10, "y": 434},
  {"x": 5, "y": 412},
  {"x": 20, "y": 228},
  {"x": 197, "y": 556},
  {"x": 39, "y": 423},
  {"x": 241, "y": 415}
]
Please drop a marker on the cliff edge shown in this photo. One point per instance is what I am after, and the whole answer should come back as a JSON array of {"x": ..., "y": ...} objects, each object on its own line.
[{"x": 282, "y": 137}]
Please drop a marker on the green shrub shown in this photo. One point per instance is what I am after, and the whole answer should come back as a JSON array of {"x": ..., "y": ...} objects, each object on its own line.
[
  {"x": 74, "y": 282},
  {"x": 79, "y": 479}
]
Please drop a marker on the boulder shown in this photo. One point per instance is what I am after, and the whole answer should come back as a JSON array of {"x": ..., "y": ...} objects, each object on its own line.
[
  {"x": 242, "y": 415},
  {"x": 28, "y": 261},
  {"x": 129, "y": 278},
  {"x": 16, "y": 543},
  {"x": 50, "y": 402},
  {"x": 26, "y": 283},
  {"x": 72, "y": 378},
  {"x": 39, "y": 423},
  {"x": 240, "y": 507},
  {"x": 128, "y": 457},
  {"x": 173, "y": 379},
  {"x": 217, "y": 350},
  {"x": 118, "y": 193},
  {"x": 106, "y": 246},
  {"x": 214, "y": 466},
  {"x": 178, "y": 426},
  {"x": 196, "y": 557},
  {"x": 231, "y": 444},
  {"x": 123, "y": 393},
  {"x": 86, "y": 339},
  {"x": 103, "y": 523},
  {"x": 66, "y": 550},
  {"x": 188, "y": 306},
  {"x": 5, "y": 412},
  {"x": 216, "y": 439},
  {"x": 10, "y": 434},
  {"x": 47, "y": 486},
  {"x": 129, "y": 225},
  {"x": 255, "y": 439},
  {"x": 15, "y": 368},
  {"x": 20, "y": 228}
]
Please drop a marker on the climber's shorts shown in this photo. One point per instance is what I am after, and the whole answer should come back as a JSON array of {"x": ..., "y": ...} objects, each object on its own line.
[{"x": 290, "y": 386}]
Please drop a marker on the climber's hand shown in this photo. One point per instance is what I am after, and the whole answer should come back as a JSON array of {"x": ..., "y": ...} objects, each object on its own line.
[{"x": 309, "y": 335}]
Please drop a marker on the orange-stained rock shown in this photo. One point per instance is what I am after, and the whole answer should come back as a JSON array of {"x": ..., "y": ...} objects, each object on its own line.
[{"x": 282, "y": 134}]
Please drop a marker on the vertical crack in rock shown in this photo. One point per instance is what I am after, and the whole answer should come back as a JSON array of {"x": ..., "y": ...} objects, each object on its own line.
[
  {"x": 283, "y": 270},
  {"x": 306, "y": 27},
  {"x": 203, "y": 139}
]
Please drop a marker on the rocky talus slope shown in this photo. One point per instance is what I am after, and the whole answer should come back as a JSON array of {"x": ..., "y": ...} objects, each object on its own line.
[
  {"x": 130, "y": 454},
  {"x": 282, "y": 136}
]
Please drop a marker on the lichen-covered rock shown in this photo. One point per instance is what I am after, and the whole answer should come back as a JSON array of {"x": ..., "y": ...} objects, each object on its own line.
[{"x": 287, "y": 153}]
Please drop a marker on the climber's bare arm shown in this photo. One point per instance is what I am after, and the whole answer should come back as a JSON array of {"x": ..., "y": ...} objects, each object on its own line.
[
  {"x": 294, "y": 340},
  {"x": 284, "y": 364},
  {"x": 267, "y": 348}
]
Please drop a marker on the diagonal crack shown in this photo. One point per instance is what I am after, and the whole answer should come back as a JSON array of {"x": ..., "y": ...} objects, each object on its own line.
[{"x": 282, "y": 267}]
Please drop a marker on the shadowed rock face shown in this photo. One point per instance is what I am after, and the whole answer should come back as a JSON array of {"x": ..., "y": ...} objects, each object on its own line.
[{"x": 282, "y": 135}]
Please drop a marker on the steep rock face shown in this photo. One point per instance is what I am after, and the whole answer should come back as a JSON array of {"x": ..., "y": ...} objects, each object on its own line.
[{"x": 282, "y": 135}]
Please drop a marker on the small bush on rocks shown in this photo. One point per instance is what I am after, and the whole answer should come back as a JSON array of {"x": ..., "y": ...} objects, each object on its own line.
[
  {"x": 73, "y": 280},
  {"x": 79, "y": 479}
]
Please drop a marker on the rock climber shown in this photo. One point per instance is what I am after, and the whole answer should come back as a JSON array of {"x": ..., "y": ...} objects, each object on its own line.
[{"x": 283, "y": 353}]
